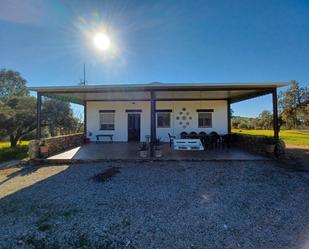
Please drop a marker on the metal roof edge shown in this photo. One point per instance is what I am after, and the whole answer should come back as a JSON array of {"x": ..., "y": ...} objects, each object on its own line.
[{"x": 160, "y": 86}]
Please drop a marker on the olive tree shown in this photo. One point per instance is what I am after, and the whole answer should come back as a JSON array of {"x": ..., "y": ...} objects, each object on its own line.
[{"x": 17, "y": 117}]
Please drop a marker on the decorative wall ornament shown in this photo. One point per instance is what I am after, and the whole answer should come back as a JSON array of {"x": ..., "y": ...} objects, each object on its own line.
[{"x": 184, "y": 116}]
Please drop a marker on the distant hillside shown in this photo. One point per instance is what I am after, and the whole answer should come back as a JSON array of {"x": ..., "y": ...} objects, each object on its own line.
[{"x": 263, "y": 121}]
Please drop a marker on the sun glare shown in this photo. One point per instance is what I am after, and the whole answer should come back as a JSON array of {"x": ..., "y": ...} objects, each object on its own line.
[{"x": 101, "y": 41}]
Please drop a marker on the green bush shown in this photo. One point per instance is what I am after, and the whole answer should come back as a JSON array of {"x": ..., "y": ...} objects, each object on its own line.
[{"x": 17, "y": 153}]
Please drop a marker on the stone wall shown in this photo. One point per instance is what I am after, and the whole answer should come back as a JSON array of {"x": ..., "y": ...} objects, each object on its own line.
[
  {"x": 260, "y": 144},
  {"x": 56, "y": 144}
]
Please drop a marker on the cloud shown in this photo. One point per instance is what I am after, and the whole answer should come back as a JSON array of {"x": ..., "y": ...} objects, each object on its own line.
[{"x": 21, "y": 11}]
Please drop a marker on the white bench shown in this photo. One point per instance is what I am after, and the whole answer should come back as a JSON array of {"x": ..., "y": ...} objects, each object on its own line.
[
  {"x": 188, "y": 144},
  {"x": 110, "y": 136}
]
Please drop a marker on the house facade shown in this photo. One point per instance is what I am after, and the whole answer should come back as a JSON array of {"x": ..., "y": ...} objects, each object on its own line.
[
  {"x": 130, "y": 120},
  {"x": 145, "y": 112}
]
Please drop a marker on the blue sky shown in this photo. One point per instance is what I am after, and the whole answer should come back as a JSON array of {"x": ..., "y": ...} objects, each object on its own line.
[{"x": 162, "y": 41}]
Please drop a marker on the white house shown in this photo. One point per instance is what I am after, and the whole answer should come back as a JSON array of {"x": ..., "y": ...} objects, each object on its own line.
[
  {"x": 130, "y": 120},
  {"x": 137, "y": 112}
]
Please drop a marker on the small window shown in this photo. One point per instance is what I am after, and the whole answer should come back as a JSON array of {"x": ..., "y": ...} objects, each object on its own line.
[
  {"x": 204, "y": 119},
  {"x": 163, "y": 119},
  {"x": 107, "y": 120}
]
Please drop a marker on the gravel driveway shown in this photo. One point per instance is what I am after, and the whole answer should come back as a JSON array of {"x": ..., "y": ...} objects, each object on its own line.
[{"x": 155, "y": 205}]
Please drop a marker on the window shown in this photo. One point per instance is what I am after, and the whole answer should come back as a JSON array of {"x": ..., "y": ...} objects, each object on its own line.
[
  {"x": 204, "y": 119},
  {"x": 107, "y": 120},
  {"x": 163, "y": 119}
]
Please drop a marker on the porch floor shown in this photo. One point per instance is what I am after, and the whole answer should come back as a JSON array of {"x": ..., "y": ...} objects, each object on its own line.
[{"x": 118, "y": 150}]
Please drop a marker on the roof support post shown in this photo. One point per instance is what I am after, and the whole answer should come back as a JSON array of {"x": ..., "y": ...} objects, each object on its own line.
[
  {"x": 275, "y": 114},
  {"x": 152, "y": 122},
  {"x": 38, "y": 115},
  {"x": 85, "y": 119},
  {"x": 228, "y": 116}
]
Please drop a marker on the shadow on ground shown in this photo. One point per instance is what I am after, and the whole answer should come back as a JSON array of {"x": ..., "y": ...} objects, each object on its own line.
[{"x": 298, "y": 155}]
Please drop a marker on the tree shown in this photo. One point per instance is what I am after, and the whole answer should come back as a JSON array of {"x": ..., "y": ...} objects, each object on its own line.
[
  {"x": 16, "y": 108},
  {"x": 293, "y": 105},
  {"x": 235, "y": 122},
  {"x": 17, "y": 117},
  {"x": 5, "y": 114},
  {"x": 293, "y": 111},
  {"x": 11, "y": 84},
  {"x": 242, "y": 125},
  {"x": 265, "y": 120},
  {"x": 58, "y": 117}
]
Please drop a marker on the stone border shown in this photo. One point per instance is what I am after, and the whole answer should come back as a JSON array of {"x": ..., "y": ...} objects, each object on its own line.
[
  {"x": 264, "y": 145},
  {"x": 56, "y": 144},
  {"x": 131, "y": 160}
]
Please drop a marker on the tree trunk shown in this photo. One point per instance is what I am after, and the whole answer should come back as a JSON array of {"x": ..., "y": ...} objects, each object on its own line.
[{"x": 13, "y": 141}]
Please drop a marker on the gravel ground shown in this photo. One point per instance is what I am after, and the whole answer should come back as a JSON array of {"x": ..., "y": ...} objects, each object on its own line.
[{"x": 155, "y": 205}]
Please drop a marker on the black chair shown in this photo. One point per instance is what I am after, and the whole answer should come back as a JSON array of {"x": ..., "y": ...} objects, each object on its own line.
[
  {"x": 171, "y": 139},
  {"x": 226, "y": 141},
  {"x": 202, "y": 136},
  {"x": 214, "y": 140},
  {"x": 183, "y": 135},
  {"x": 213, "y": 133},
  {"x": 207, "y": 142},
  {"x": 193, "y": 135}
]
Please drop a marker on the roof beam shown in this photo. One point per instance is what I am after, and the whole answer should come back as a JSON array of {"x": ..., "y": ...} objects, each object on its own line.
[
  {"x": 192, "y": 89},
  {"x": 250, "y": 96}
]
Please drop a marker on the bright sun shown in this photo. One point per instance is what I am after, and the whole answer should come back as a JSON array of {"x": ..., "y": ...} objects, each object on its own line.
[{"x": 101, "y": 41}]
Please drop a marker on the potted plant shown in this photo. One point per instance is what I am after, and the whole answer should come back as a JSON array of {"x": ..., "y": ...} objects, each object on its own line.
[
  {"x": 270, "y": 148},
  {"x": 270, "y": 145},
  {"x": 43, "y": 148},
  {"x": 157, "y": 147},
  {"x": 143, "y": 148}
]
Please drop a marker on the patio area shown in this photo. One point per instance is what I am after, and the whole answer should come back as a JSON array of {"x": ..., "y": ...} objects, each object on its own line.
[{"x": 124, "y": 151}]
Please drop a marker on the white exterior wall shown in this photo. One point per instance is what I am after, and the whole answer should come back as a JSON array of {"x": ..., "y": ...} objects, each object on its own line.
[
  {"x": 121, "y": 118},
  {"x": 219, "y": 117}
]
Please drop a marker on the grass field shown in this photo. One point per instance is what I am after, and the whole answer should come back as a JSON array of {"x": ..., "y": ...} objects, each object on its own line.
[
  {"x": 18, "y": 153},
  {"x": 290, "y": 137}
]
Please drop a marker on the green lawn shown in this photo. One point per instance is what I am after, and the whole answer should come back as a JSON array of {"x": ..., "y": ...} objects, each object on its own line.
[
  {"x": 18, "y": 153},
  {"x": 290, "y": 137}
]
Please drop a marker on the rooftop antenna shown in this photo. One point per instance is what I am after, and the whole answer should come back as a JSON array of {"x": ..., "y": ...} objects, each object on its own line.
[
  {"x": 83, "y": 82},
  {"x": 84, "y": 74}
]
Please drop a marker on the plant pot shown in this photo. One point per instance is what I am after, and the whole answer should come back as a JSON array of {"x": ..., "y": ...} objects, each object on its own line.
[
  {"x": 143, "y": 153},
  {"x": 158, "y": 153},
  {"x": 44, "y": 151}
]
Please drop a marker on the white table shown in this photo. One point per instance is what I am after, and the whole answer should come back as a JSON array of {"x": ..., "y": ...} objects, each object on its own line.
[{"x": 188, "y": 144}]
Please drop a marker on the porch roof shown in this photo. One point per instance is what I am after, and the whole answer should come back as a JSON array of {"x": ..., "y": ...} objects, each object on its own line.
[{"x": 235, "y": 92}]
